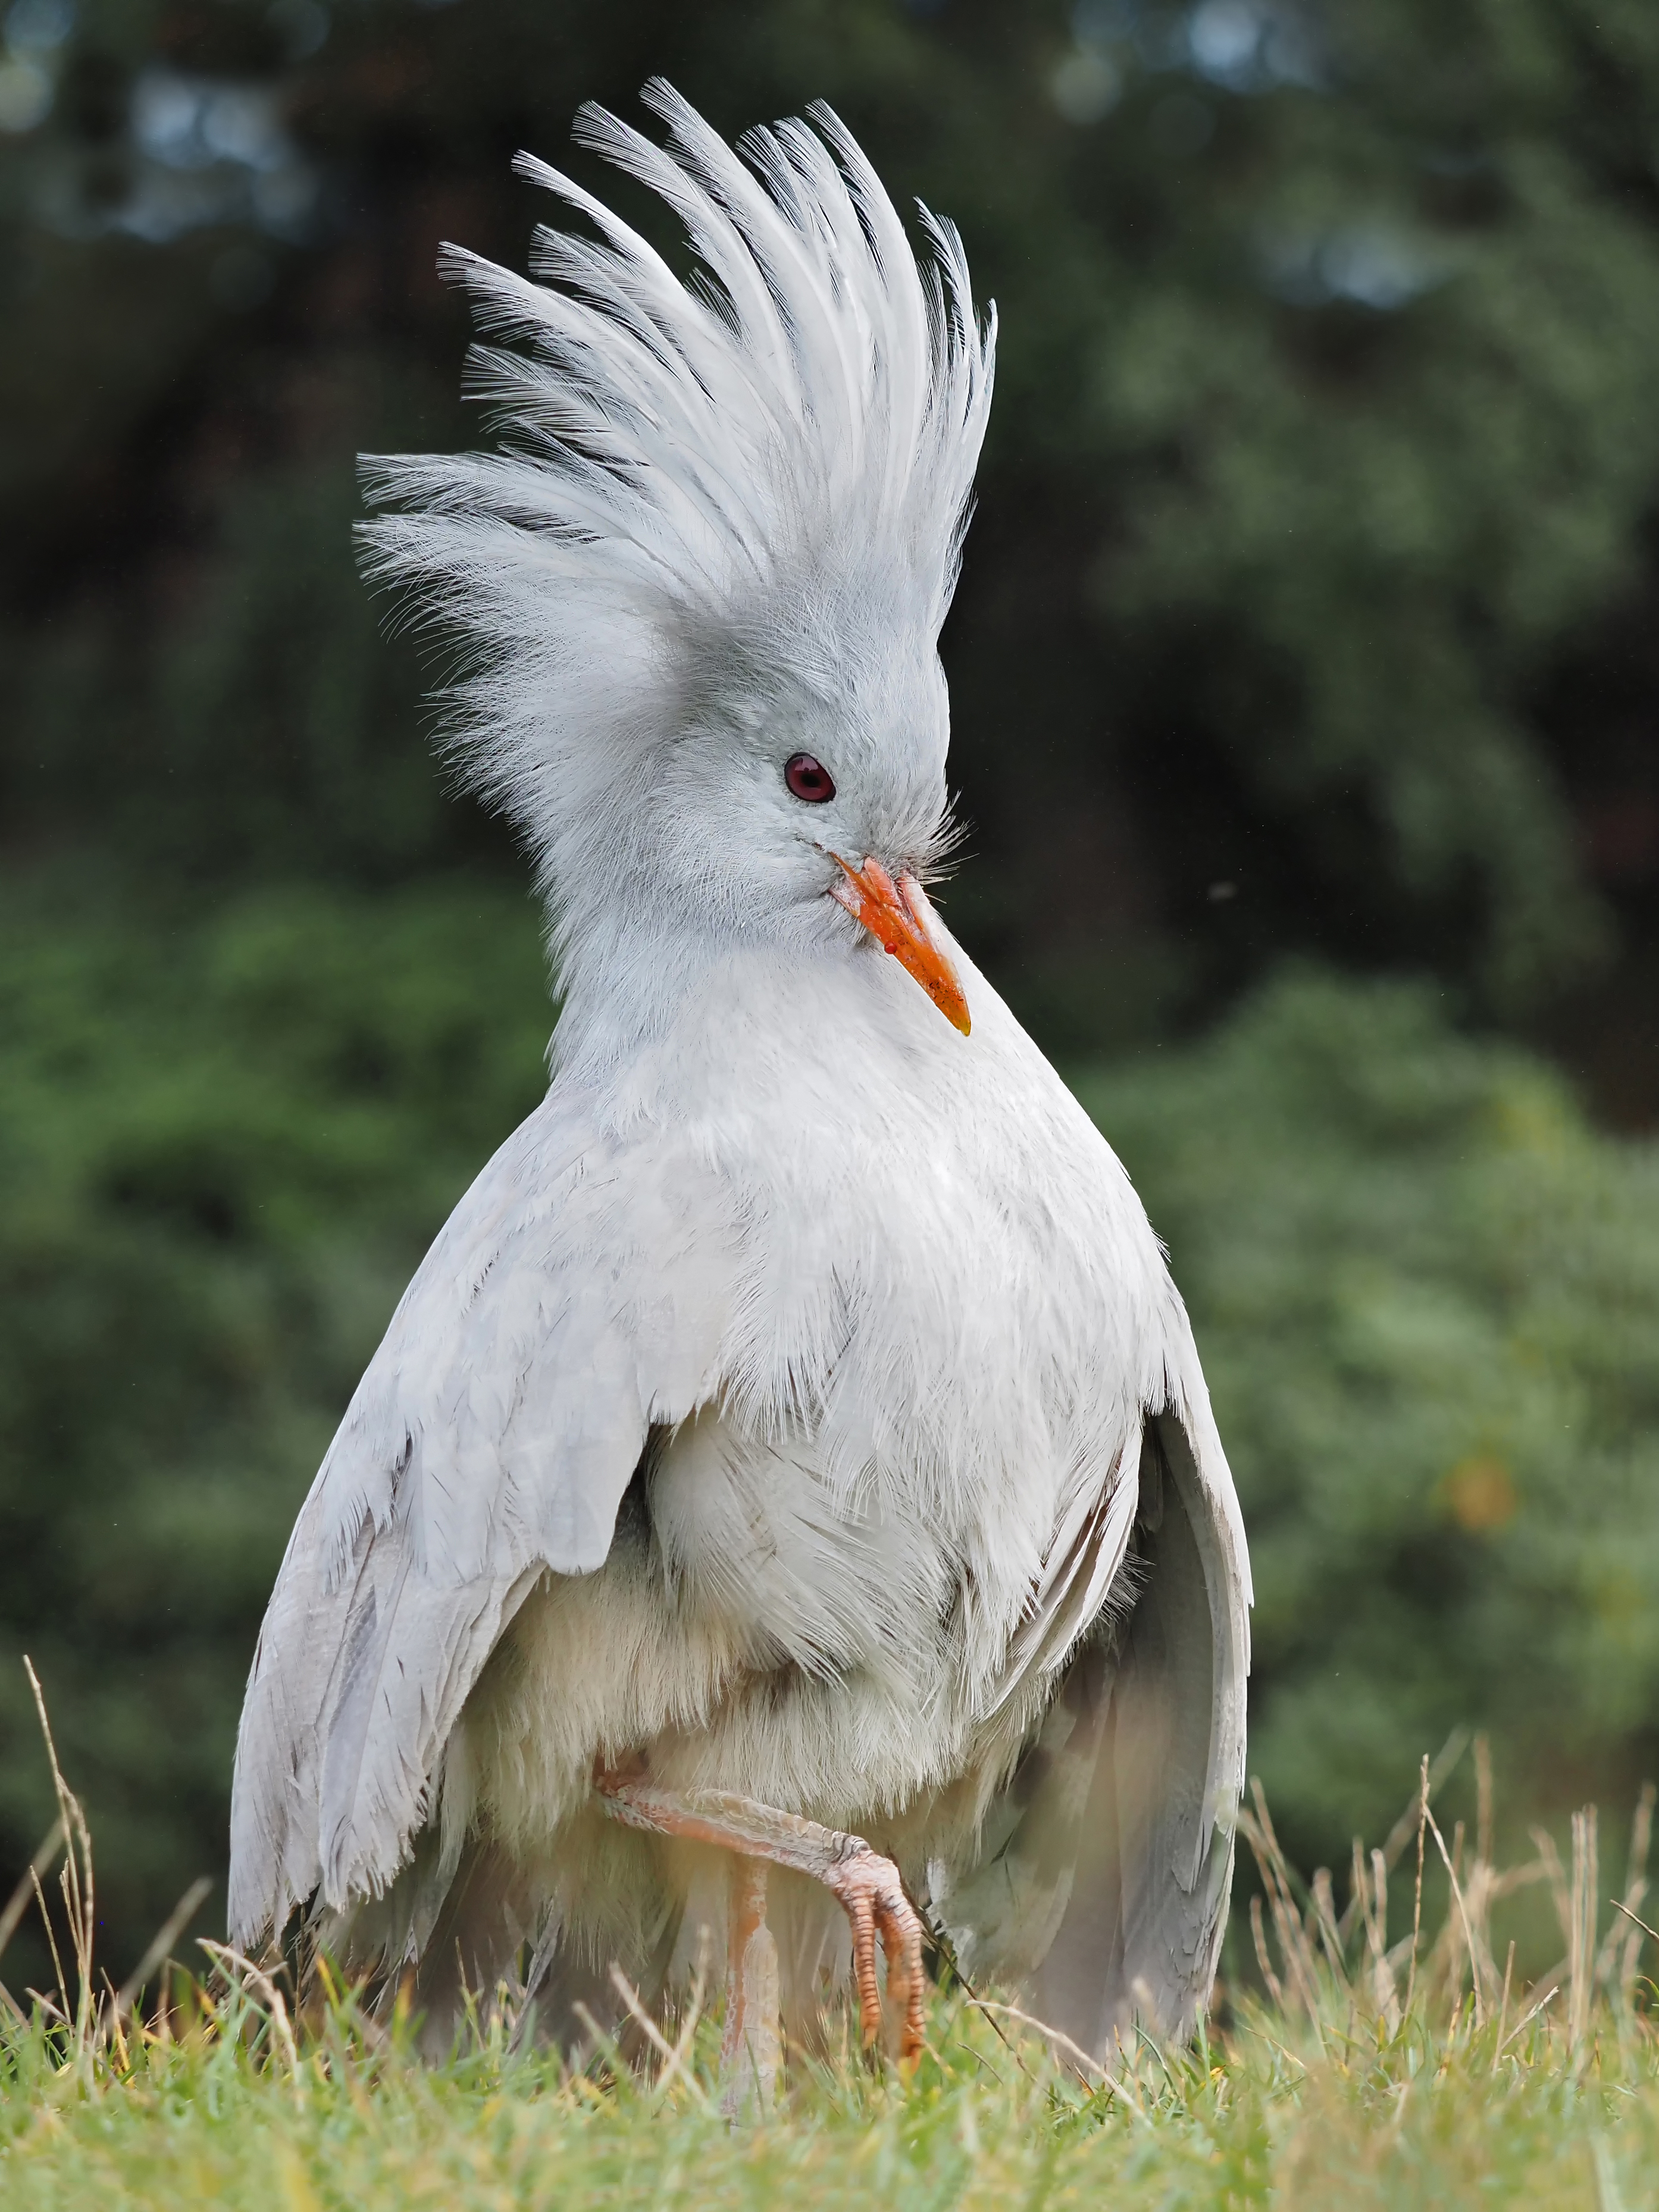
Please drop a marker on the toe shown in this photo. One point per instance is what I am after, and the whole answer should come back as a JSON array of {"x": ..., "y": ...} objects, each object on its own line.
[{"x": 901, "y": 1940}]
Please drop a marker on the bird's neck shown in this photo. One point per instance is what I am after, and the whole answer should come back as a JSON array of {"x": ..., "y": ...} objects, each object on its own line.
[
  {"x": 812, "y": 1023},
  {"x": 625, "y": 990}
]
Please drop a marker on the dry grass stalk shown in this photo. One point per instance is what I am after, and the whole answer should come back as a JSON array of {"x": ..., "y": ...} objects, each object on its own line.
[
  {"x": 1340, "y": 1967},
  {"x": 1417, "y": 1902},
  {"x": 1615, "y": 1962},
  {"x": 1475, "y": 1949},
  {"x": 673, "y": 2055},
  {"x": 1295, "y": 1948},
  {"x": 1581, "y": 1934},
  {"x": 1441, "y": 1765},
  {"x": 256, "y": 1985},
  {"x": 85, "y": 2006},
  {"x": 23, "y": 1895},
  {"x": 160, "y": 1944},
  {"x": 76, "y": 1882}
]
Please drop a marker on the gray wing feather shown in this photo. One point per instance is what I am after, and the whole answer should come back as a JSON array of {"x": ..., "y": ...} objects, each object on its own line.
[
  {"x": 1141, "y": 1928},
  {"x": 1085, "y": 1558},
  {"x": 575, "y": 1297},
  {"x": 1108, "y": 1859}
]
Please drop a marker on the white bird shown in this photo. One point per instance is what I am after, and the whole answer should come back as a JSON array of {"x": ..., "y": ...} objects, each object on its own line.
[{"x": 792, "y": 1455}]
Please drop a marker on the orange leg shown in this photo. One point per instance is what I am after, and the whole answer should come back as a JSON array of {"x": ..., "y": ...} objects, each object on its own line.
[
  {"x": 750, "y": 2047},
  {"x": 867, "y": 1887}
]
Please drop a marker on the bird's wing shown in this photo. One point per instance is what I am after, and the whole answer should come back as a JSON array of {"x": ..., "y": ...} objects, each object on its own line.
[
  {"x": 575, "y": 1299},
  {"x": 1109, "y": 1857}
]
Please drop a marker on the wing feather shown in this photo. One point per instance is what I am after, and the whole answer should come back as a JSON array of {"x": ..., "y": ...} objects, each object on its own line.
[
  {"x": 575, "y": 1298},
  {"x": 1107, "y": 1859}
]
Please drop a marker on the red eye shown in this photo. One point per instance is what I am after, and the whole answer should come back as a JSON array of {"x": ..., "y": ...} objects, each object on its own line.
[{"x": 808, "y": 779}]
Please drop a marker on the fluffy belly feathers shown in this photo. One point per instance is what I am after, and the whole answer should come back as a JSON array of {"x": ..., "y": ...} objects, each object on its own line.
[{"x": 752, "y": 1631}]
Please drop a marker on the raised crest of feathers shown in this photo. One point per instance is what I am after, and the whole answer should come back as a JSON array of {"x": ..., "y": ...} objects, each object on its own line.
[{"x": 774, "y": 457}]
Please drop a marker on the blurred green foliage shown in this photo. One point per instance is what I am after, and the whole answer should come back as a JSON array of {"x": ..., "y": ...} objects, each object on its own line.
[{"x": 1311, "y": 613}]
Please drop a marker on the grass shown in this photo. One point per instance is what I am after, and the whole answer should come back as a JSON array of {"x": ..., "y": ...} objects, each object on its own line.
[
  {"x": 1371, "y": 2072},
  {"x": 222, "y": 2110}
]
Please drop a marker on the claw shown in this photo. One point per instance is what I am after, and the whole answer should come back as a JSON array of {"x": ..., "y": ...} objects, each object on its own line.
[{"x": 872, "y": 1894}]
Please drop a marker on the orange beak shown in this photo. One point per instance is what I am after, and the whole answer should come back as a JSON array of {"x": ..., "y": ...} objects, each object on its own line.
[{"x": 897, "y": 915}]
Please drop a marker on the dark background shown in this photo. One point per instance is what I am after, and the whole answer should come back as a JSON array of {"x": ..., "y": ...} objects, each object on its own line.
[{"x": 1306, "y": 682}]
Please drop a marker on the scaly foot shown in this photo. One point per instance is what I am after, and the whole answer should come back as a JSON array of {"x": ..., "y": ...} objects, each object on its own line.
[{"x": 867, "y": 1887}]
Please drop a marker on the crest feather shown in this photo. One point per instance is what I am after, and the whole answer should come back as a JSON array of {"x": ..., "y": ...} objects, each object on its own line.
[{"x": 797, "y": 428}]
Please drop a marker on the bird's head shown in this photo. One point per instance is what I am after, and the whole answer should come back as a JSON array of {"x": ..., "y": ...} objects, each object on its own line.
[{"x": 699, "y": 591}]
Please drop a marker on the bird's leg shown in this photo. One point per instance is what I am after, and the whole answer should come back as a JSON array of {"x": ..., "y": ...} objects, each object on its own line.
[
  {"x": 866, "y": 1886},
  {"x": 750, "y": 2048}
]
